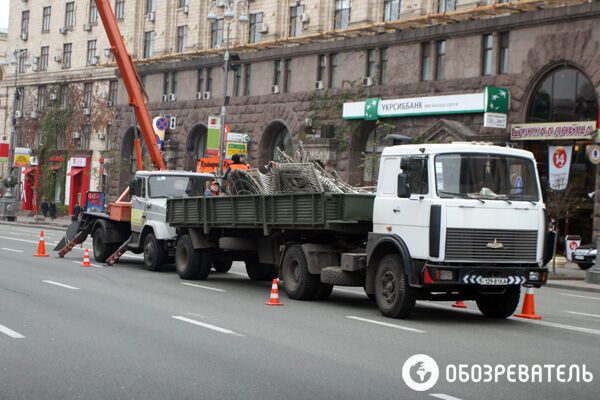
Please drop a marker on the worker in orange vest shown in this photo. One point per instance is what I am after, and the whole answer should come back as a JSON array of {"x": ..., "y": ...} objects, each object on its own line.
[{"x": 238, "y": 162}]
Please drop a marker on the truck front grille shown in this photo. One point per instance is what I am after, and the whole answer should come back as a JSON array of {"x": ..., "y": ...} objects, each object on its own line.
[{"x": 490, "y": 245}]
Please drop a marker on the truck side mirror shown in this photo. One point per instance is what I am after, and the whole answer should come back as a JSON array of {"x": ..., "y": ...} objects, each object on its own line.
[{"x": 403, "y": 186}]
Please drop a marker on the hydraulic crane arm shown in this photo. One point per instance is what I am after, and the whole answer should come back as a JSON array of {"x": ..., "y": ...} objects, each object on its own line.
[{"x": 131, "y": 81}]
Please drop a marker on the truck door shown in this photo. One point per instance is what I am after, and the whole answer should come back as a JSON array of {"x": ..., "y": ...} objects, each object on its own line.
[
  {"x": 138, "y": 204},
  {"x": 412, "y": 204}
]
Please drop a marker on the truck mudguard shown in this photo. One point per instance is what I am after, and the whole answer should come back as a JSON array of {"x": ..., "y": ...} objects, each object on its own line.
[{"x": 377, "y": 245}]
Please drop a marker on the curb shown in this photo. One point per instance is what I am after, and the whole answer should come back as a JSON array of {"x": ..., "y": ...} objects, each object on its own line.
[
  {"x": 560, "y": 285},
  {"x": 33, "y": 225}
]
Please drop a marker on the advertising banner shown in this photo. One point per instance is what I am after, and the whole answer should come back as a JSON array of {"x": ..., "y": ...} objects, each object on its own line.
[
  {"x": 553, "y": 131},
  {"x": 559, "y": 165},
  {"x": 3, "y": 152},
  {"x": 212, "y": 136},
  {"x": 95, "y": 202},
  {"x": 22, "y": 155}
]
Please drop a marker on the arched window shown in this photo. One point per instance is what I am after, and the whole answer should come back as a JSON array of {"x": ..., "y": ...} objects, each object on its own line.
[
  {"x": 195, "y": 146},
  {"x": 282, "y": 141},
  {"x": 564, "y": 94}
]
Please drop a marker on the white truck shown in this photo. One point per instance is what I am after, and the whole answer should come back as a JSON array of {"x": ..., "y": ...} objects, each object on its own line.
[{"x": 448, "y": 222}]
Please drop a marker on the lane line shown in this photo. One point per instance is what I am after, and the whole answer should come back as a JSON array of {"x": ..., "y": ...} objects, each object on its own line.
[
  {"x": 62, "y": 285},
  {"x": 372, "y": 321},
  {"x": 11, "y": 333},
  {"x": 19, "y": 240},
  {"x": 444, "y": 396},
  {"x": 93, "y": 265},
  {"x": 13, "y": 250},
  {"x": 580, "y": 296},
  {"x": 204, "y": 287},
  {"x": 583, "y": 314},
  {"x": 208, "y": 326}
]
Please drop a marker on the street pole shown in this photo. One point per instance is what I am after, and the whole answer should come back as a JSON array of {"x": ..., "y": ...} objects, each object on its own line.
[{"x": 224, "y": 107}]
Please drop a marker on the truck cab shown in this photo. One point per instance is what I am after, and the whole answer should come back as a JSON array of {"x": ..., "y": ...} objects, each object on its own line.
[{"x": 456, "y": 221}]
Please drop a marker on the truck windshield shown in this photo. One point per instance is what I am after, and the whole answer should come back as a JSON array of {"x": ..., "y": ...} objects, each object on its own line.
[
  {"x": 171, "y": 186},
  {"x": 486, "y": 177}
]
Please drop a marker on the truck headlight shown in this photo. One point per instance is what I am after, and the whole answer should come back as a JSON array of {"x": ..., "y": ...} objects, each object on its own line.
[
  {"x": 534, "y": 276},
  {"x": 446, "y": 275}
]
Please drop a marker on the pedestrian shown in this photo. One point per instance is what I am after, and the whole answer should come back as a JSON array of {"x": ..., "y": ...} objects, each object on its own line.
[
  {"x": 45, "y": 207},
  {"x": 238, "y": 162},
  {"x": 53, "y": 210},
  {"x": 214, "y": 190},
  {"x": 76, "y": 212}
]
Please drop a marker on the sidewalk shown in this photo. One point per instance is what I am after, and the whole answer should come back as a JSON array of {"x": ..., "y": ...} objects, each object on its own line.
[{"x": 59, "y": 224}]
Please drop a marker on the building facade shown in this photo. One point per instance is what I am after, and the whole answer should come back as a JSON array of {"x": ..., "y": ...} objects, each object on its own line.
[{"x": 297, "y": 63}]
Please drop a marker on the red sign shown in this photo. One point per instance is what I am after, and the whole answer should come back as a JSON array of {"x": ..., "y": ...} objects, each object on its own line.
[
  {"x": 3, "y": 152},
  {"x": 559, "y": 158}
]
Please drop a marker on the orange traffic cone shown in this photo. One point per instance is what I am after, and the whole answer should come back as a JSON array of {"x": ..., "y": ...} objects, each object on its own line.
[
  {"x": 274, "y": 299},
  {"x": 459, "y": 304},
  {"x": 41, "y": 250},
  {"x": 528, "y": 310},
  {"x": 86, "y": 258}
]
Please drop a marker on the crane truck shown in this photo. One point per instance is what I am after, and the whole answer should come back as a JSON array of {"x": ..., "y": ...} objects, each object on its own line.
[{"x": 447, "y": 222}]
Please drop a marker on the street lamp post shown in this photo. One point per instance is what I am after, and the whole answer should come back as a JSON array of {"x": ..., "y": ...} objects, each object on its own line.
[{"x": 228, "y": 17}]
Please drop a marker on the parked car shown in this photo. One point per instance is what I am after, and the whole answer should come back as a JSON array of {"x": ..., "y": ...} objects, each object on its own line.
[{"x": 585, "y": 256}]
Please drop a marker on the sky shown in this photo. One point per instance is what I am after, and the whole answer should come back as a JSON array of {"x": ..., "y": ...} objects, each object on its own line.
[{"x": 4, "y": 9}]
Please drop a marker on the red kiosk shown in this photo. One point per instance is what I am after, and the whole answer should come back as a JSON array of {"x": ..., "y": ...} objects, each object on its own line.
[{"x": 78, "y": 181}]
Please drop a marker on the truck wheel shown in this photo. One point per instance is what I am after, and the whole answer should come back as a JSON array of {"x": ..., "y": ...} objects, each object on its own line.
[
  {"x": 584, "y": 266},
  {"x": 191, "y": 263},
  {"x": 260, "y": 272},
  {"x": 154, "y": 253},
  {"x": 102, "y": 250},
  {"x": 299, "y": 284},
  {"x": 222, "y": 265},
  {"x": 394, "y": 296},
  {"x": 499, "y": 305}
]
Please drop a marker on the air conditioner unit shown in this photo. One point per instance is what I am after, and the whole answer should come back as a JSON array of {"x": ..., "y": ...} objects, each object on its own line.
[
  {"x": 199, "y": 95},
  {"x": 58, "y": 58},
  {"x": 100, "y": 136},
  {"x": 18, "y": 114},
  {"x": 304, "y": 18},
  {"x": 165, "y": 97},
  {"x": 173, "y": 122},
  {"x": 263, "y": 28},
  {"x": 206, "y": 95},
  {"x": 151, "y": 16},
  {"x": 24, "y": 36},
  {"x": 87, "y": 27},
  {"x": 3, "y": 138},
  {"x": 87, "y": 111},
  {"x": 76, "y": 135},
  {"x": 94, "y": 60},
  {"x": 83, "y": 105},
  {"x": 63, "y": 30},
  {"x": 186, "y": 9},
  {"x": 52, "y": 97},
  {"x": 109, "y": 103},
  {"x": 319, "y": 85},
  {"x": 275, "y": 89},
  {"x": 367, "y": 81},
  {"x": 172, "y": 97},
  {"x": 35, "y": 59},
  {"x": 33, "y": 114},
  {"x": 34, "y": 67}
]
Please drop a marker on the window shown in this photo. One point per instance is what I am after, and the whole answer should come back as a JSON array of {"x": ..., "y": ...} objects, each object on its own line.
[
  {"x": 391, "y": 10},
  {"x": 46, "y": 13},
  {"x": 91, "y": 52},
  {"x": 22, "y": 61},
  {"x": 486, "y": 56},
  {"x": 20, "y": 98},
  {"x": 322, "y": 67},
  {"x": 85, "y": 137},
  {"x": 440, "y": 59},
  {"x": 383, "y": 64},
  {"x": 170, "y": 83},
  {"x": 332, "y": 70},
  {"x": 426, "y": 61},
  {"x": 503, "y": 53},
  {"x": 418, "y": 181},
  {"x": 24, "y": 24},
  {"x": 148, "y": 44},
  {"x": 200, "y": 81},
  {"x": 216, "y": 34},
  {"x": 237, "y": 80},
  {"x": 112, "y": 93},
  {"x": 342, "y": 14},
  {"x": 181, "y": 38},
  {"x": 44, "y": 51},
  {"x": 182, "y": 3},
  {"x": 370, "y": 70},
  {"x": 70, "y": 14},
  {"x": 209, "y": 79},
  {"x": 296, "y": 20},
  {"x": 248, "y": 80},
  {"x": 282, "y": 141},
  {"x": 87, "y": 94},
  {"x": 150, "y": 6},
  {"x": 564, "y": 94},
  {"x": 120, "y": 9},
  {"x": 287, "y": 80},
  {"x": 64, "y": 97},
  {"x": 41, "y": 98},
  {"x": 255, "y": 22},
  {"x": 66, "y": 58},
  {"x": 446, "y": 5},
  {"x": 277, "y": 72},
  {"x": 93, "y": 13}
]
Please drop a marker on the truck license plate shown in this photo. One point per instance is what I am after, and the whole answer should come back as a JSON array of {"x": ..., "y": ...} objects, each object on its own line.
[
  {"x": 579, "y": 257},
  {"x": 494, "y": 281}
]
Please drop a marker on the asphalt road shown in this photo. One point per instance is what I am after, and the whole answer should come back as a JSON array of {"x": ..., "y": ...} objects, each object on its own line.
[{"x": 68, "y": 332}]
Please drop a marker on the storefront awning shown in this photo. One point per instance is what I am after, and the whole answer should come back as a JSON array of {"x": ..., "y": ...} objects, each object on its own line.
[
  {"x": 28, "y": 170},
  {"x": 74, "y": 171}
]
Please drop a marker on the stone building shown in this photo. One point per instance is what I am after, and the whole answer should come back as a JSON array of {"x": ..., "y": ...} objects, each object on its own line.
[{"x": 4, "y": 122}]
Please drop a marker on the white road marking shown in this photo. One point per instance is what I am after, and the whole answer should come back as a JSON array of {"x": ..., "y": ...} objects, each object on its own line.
[
  {"x": 372, "y": 321},
  {"x": 93, "y": 265},
  {"x": 13, "y": 250},
  {"x": 62, "y": 285},
  {"x": 583, "y": 314},
  {"x": 444, "y": 396},
  {"x": 580, "y": 296},
  {"x": 208, "y": 326},
  {"x": 203, "y": 287},
  {"x": 19, "y": 240},
  {"x": 11, "y": 333},
  {"x": 567, "y": 327}
]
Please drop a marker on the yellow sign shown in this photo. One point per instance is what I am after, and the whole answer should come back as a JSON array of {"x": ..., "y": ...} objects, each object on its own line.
[
  {"x": 136, "y": 217},
  {"x": 236, "y": 148},
  {"x": 22, "y": 160}
]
